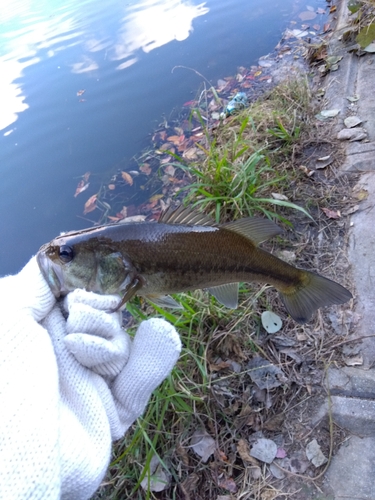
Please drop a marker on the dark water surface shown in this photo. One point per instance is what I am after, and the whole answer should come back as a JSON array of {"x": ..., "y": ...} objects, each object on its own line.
[{"x": 122, "y": 54}]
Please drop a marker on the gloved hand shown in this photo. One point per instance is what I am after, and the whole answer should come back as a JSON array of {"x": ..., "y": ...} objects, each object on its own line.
[{"x": 58, "y": 414}]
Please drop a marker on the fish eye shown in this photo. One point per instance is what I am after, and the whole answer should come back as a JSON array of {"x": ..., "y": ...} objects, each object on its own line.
[{"x": 66, "y": 253}]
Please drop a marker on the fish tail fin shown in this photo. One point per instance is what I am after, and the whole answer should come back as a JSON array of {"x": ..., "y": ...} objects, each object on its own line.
[{"x": 314, "y": 292}]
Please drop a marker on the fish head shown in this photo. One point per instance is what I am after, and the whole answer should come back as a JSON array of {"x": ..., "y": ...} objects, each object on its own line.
[{"x": 70, "y": 262}]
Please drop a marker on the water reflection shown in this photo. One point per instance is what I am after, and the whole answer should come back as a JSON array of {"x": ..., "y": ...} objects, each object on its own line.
[
  {"x": 151, "y": 24},
  {"x": 32, "y": 30},
  {"x": 27, "y": 34}
]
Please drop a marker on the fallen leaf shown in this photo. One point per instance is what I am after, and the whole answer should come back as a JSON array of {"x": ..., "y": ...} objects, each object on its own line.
[
  {"x": 307, "y": 15},
  {"x": 361, "y": 194},
  {"x": 111, "y": 187},
  {"x": 170, "y": 170},
  {"x": 156, "y": 479},
  {"x": 278, "y": 196},
  {"x": 271, "y": 322},
  {"x": 243, "y": 449},
  {"x": 182, "y": 454},
  {"x": 90, "y": 204},
  {"x": 354, "y": 360},
  {"x": 203, "y": 444},
  {"x": 257, "y": 73},
  {"x": 80, "y": 92},
  {"x": 326, "y": 27},
  {"x": 86, "y": 176},
  {"x": 82, "y": 186},
  {"x": 216, "y": 367},
  {"x": 145, "y": 168},
  {"x": 320, "y": 11},
  {"x": 316, "y": 27},
  {"x": 133, "y": 218},
  {"x": 176, "y": 139},
  {"x": 264, "y": 374},
  {"x": 227, "y": 484},
  {"x": 127, "y": 178},
  {"x": 281, "y": 453},
  {"x": 331, "y": 214},
  {"x": 114, "y": 219},
  {"x": 332, "y": 9}
]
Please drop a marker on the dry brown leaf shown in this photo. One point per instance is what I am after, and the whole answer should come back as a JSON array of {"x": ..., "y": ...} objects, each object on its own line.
[
  {"x": 170, "y": 170},
  {"x": 127, "y": 178},
  {"x": 331, "y": 214},
  {"x": 219, "y": 366},
  {"x": 243, "y": 449},
  {"x": 82, "y": 186},
  {"x": 228, "y": 484},
  {"x": 111, "y": 187},
  {"x": 182, "y": 454},
  {"x": 114, "y": 219},
  {"x": 332, "y": 9},
  {"x": 90, "y": 204}
]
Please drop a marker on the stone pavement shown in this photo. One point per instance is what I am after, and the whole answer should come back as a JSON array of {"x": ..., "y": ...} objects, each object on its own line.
[{"x": 351, "y": 474}]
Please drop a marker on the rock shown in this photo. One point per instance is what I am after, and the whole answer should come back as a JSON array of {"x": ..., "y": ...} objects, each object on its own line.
[
  {"x": 352, "y": 134},
  {"x": 315, "y": 454},
  {"x": 264, "y": 450},
  {"x": 352, "y": 121}
]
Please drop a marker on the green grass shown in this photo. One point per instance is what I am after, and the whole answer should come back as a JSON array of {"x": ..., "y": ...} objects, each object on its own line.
[{"x": 245, "y": 160}]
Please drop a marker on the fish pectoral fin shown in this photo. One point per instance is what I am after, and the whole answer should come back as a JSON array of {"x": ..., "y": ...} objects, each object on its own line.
[
  {"x": 254, "y": 228},
  {"x": 226, "y": 294},
  {"x": 130, "y": 291},
  {"x": 164, "y": 301}
]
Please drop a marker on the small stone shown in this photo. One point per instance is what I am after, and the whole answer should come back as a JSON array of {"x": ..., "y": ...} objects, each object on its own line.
[
  {"x": 315, "y": 454},
  {"x": 352, "y": 121},
  {"x": 264, "y": 450},
  {"x": 276, "y": 472},
  {"x": 352, "y": 134}
]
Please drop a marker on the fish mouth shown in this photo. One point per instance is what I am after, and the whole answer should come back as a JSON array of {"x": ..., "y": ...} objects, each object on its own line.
[{"x": 51, "y": 273}]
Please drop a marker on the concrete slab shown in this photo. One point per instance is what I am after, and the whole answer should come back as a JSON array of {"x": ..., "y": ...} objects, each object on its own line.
[{"x": 351, "y": 474}]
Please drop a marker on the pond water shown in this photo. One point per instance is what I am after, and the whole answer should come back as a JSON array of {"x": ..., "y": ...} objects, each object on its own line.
[{"x": 121, "y": 54}]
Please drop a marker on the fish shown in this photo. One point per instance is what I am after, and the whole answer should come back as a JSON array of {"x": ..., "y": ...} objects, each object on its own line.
[{"x": 184, "y": 251}]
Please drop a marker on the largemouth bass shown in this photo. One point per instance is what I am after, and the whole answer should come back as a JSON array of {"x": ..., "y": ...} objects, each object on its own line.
[{"x": 184, "y": 250}]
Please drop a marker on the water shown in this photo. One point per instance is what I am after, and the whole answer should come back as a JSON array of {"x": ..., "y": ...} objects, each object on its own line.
[{"x": 122, "y": 55}]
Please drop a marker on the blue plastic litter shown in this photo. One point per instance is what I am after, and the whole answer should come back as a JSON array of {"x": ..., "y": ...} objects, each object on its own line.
[{"x": 238, "y": 102}]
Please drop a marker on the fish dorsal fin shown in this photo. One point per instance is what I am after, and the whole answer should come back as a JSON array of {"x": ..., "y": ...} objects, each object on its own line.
[
  {"x": 254, "y": 228},
  {"x": 185, "y": 215},
  {"x": 226, "y": 294}
]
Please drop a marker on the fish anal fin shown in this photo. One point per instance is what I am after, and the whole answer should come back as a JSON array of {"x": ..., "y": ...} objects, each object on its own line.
[
  {"x": 226, "y": 294},
  {"x": 317, "y": 292},
  {"x": 185, "y": 215},
  {"x": 164, "y": 301},
  {"x": 254, "y": 228}
]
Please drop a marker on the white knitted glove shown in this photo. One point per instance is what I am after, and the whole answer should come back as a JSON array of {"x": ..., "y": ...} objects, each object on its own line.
[
  {"x": 58, "y": 417},
  {"x": 95, "y": 337}
]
